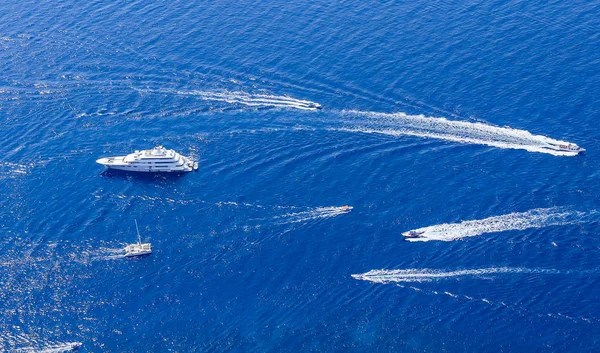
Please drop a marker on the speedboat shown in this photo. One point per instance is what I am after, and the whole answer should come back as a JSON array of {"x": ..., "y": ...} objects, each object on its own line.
[
  {"x": 314, "y": 105},
  {"x": 75, "y": 346},
  {"x": 413, "y": 234},
  {"x": 139, "y": 248},
  {"x": 347, "y": 208},
  {"x": 571, "y": 147},
  {"x": 158, "y": 159}
]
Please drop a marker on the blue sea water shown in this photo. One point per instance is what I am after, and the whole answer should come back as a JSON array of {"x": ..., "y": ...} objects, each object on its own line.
[{"x": 253, "y": 252}]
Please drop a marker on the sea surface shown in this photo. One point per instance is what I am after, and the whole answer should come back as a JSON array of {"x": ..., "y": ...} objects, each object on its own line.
[{"x": 437, "y": 117}]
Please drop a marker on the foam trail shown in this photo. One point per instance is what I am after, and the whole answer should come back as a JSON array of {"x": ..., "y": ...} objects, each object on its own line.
[
  {"x": 428, "y": 275},
  {"x": 317, "y": 213},
  {"x": 248, "y": 99},
  {"x": 60, "y": 348},
  {"x": 519, "y": 309},
  {"x": 399, "y": 124},
  {"x": 536, "y": 218},
  {"x": 10, "y": 170}
]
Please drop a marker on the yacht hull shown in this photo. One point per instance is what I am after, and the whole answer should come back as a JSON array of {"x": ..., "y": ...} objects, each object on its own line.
[
  {"x": 157, "y": 160},
  {"x": 148, "y": 169}
]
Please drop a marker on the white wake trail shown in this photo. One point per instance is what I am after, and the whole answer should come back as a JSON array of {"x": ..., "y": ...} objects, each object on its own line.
[
  {"x": 427, "y": 275},
  {"x": 250, "y": 99},
  {"x": 59, "y": 348},
  {"x": 399, "y": 124},
  {"x": 536, "y": 218},
  {"x": 317, "y": 213},
  {"x": 516, "y": 307}
]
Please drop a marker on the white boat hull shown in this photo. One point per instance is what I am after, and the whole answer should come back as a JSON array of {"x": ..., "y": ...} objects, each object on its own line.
[
  {"x": 138, "y": 249},
  {"x": 148, "y": 169}
]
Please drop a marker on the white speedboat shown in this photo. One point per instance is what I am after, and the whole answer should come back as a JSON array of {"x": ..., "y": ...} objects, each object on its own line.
[
  {"x": 571, "y": 147},
  {"x": 158, "y": 159},
  {"x": 139, "y": 248},
  {"x": 75, "y": 346},
  {"x": 413, "y": 234},
  {"x": 313, "y": 105}
]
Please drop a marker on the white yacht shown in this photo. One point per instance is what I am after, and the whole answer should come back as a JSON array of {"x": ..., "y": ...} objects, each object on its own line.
[
  {"x": 139, "y": 248},
  {"x": 158, "y": 159}
]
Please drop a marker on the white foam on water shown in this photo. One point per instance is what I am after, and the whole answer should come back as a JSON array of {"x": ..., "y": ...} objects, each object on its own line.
[
  {"x": 536, "y": 218},
  {"x": 313, "y": 214},
  {"x": 245, "y": 98},
  {"x": 401, "y": 124},
  {"x": 58, "y": 348},
  {"x": 428, "y": 275},
  {"x": 107, "y": 254},
  {"x": 8, "y": 169},
  {"x": 517, "y": 308},
  {"x": 252, "y": 100}
]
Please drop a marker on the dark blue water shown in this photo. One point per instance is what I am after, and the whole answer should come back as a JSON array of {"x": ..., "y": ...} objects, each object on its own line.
[{"x": 252, "y": 252}]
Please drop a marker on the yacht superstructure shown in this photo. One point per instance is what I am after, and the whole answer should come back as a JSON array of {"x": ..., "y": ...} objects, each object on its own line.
[{"x": 158, "y": 159}]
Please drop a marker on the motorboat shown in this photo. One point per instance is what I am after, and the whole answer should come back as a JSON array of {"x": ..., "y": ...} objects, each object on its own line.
[
  {"x": 75, "y": 346},
  {"x": 158, "y": 159},
  {"x": 571, "y": 147},
  {"x": 139, "y": 248},
  {"x": 314, "y": 105},
  {"x": 413, "y": 234},
  {"x": 347, "y": 208}
]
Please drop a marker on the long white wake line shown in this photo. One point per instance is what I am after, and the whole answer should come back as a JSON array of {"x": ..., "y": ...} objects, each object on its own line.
[
  {"x": 427, "y": 275},
  {"x": 514, "y": 307},
  {"x": 317, "y": 213},
  {"x": 398, "y": 124},
  {"x": 247, "y": 99},
  {"x": 536, "y": 218},
  {"x": 59, "y": 348}
]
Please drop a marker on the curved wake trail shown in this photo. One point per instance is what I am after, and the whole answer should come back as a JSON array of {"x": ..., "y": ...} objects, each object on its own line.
[
  {"x": 536, "y": 218},
  {"x": 428, "y": 275},
  {"x": 399, "y": 124},
  {"x": 247, "y": 99}
]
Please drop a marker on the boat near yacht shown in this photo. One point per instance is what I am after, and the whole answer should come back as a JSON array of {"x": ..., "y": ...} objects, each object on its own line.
[
  {"x": 139, "y": 248},
  {"x": 156, "y": 160}
]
